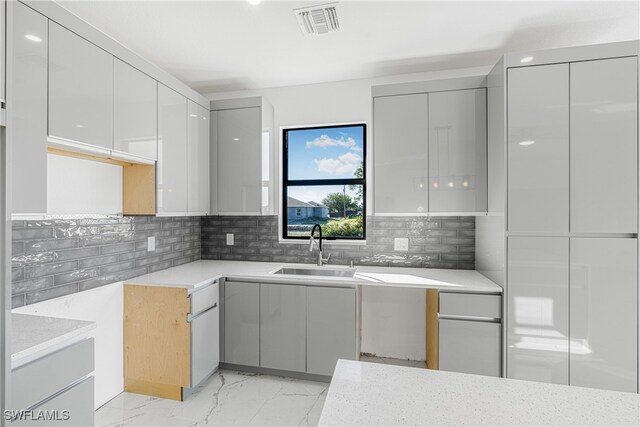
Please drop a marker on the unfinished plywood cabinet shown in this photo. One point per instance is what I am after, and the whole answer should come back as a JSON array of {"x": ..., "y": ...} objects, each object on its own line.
[
  {"x": 170, "y": 339},
  {"x": 138, "y": 181}
]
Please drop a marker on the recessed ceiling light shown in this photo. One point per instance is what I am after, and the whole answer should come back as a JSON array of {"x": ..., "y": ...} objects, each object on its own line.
[
  {"x": 527, "y": 142},
  {"x": 193, "y": 115},
  {"x": 526, "y": 59},
  {"x": 79, "y": 126},
  {"x": 254, "y": 2},
  {"x": 236, "y": 139},
  {"x": 33, "y": 38}
]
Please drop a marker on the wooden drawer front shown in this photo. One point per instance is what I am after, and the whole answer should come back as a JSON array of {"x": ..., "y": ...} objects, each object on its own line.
[
  {"x": 471, "y": 305},
  {"x": 204, "y": 298},
  {"x": 44, "y": 377},
  {"x": 78, "y": 400}
]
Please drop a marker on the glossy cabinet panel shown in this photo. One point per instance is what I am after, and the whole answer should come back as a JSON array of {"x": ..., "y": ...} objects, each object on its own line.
[
  {"x": 29, "y": 111},
  {"x": 242, "y": 323},
  {"x": 400, "y": 154},
  {"x": 80, "y": 89},
  {"x": 135, "y": 111},
  {"x": 604, "y": 313},
  {"x": 205, "y": 345},
  {"x": 213, "y": 163},
  {"x": 198, "y": 159},
  {"x": 458, "y": 151},
  {"x": 331, "y": 328},
  {"x": 172, "y": 151},
  {"x": 470, "y": 347},
  {"x": 283, "y": 327},
  {"x": 240, "y": 161},
  {"x": 604, "y": 146},
  {"x": 538, "y": 149},
  {"x": 538, "y": 315}
]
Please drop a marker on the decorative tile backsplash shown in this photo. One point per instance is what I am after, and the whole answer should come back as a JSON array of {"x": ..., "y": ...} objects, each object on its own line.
[
  {"x": 52, "y": 258},
  {"x": 435, "y": 242}
]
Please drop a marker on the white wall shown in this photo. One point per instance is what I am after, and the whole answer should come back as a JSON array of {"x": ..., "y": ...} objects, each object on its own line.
[{"x": 103, "y": 305}]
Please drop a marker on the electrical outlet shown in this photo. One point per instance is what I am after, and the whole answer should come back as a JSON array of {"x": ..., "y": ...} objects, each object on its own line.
[
  {"x": 151, "y": 244},
  {"x": 229, "y": 239},
  {"x": 401, "y": 244}
]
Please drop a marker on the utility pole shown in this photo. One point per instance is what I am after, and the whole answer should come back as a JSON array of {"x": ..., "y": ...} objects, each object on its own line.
[{"x": 344, "y": 201}]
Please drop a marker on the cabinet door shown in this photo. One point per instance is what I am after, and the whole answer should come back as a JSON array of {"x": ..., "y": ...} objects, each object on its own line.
[
  {"x": 29, "y": 110},
  {"x": 213, "y": 163},
  {"x": 458, "y": 151},
  {"x": 538, "y": 149},
  {"x": 538, "y": 318},
  {"x": 135, "y": 111},
  {"x": 205, "y": 345},
  {"x": 604, "y": 146},
  {"x": 198, "y": 159},
  {"x": 80, "y": 89},
  {"x": 77, "y": 400},
  {"x": 282, "y": 327},
  {"x": 331, "y": 328},
  {"x": 242, "y": 323},
  {"x": 604, "y": 313},
  {"x": 470, "y": 347},
  {"x": 400, "y": 154},
  {"x": 172, "y": 151},
  {"x": 239, "y": 161}
]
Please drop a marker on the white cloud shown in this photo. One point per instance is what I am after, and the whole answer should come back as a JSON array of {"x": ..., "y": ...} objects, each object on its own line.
[
  {"x": 325, "y": 141},
  {"x": 346, "y": 163}
]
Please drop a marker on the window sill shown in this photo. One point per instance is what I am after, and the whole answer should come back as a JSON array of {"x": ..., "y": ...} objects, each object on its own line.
[{"x": 328, "y": 243}]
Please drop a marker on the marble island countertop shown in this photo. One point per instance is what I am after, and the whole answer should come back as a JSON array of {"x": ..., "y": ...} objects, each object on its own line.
[
  {"x": 201, "y": 273},
  {"x": 371, "y": 394},
  {"x": 34, "y": 335}
]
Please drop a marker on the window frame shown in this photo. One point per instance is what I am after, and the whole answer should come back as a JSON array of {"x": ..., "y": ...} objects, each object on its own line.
[{"x": 286, "y": 182}]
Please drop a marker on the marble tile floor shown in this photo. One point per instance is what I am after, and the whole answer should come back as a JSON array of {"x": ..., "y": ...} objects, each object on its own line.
[
  {"x": 228, "y": 398},
  {"x": 392, "y": 361}
]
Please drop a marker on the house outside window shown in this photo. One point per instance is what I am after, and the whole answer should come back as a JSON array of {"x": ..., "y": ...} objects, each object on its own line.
[{"x": 324, "y": 181}]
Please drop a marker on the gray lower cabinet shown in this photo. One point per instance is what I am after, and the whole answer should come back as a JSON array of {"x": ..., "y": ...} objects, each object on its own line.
[
  {"x": 282, "y": 327},
  {"x": 72, "y": 407},
  {"x": 470, "y": 347},
  {"x": 331, "y": 328},
  {"x": 242, "y": 323},
  {"x": 64, "y": 383}
]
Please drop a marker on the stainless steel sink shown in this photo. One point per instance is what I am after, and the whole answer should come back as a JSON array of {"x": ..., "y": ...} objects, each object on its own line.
[{"x": 326, "y": 272}]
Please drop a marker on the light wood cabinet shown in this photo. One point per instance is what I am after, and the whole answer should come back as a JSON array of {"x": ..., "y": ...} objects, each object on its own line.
[
  {"x": 80, "y": 89},
  {"x": 170, "y": 339}
]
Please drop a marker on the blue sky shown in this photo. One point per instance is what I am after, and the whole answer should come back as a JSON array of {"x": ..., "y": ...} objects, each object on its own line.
[{"x": 325, "y": 153}]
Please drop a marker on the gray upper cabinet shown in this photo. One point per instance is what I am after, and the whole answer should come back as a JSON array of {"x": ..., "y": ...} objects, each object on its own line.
[
  {"x": 604, "y": 313},
  {"x": 242, "y": 323},
  {"x": 135, "y": 112},
  {"x": 538, "y": 149},
  {"x": 458, "y": 151},
  {"x": 3, "y": 32},
  {"x": 239, "y": 161},
  {"x": 331, "y": 328},
  {"x": 172, "y": 152},
  {"x": 80, "y": 89},
  {"x": 604, "y": 146},
  {"x": 198, "y": 159},
  {"x": 283, "y": 327},
  {"x": 213, "y": 163},
  {"x": 29, "y": 111},
  {"x": 400, "y": 154}
]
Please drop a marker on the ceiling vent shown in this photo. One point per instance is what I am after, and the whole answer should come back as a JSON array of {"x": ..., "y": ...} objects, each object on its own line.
[{"x": 321, "y": 19}]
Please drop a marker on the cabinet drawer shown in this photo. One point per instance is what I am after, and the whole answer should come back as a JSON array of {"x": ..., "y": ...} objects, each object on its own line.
[
  {"x": 472, "y": 305},
  {"x": 77, "y": 400},
  {"x": 204, "y": 298},
  {"x": 51, "y": 374}
]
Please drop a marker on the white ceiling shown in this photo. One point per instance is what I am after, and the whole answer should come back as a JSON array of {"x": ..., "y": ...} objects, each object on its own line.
[{"x": 216, "y": 46}]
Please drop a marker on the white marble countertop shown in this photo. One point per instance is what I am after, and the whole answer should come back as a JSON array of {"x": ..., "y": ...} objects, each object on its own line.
[
  {"x": 33, "y": 335},
  {"x": 371, "y": 394},
  {"x": 201, "y": 273}
]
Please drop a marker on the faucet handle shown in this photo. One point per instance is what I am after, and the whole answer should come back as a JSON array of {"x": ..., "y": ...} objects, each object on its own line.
[{"x": 326, "y": 259}]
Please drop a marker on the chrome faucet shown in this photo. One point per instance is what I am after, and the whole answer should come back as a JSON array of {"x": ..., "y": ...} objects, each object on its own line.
[{"x": 312, "y": 241}]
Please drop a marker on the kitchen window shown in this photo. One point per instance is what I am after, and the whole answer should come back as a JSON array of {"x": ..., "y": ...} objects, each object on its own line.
[{"x": 324, "y": 181}]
